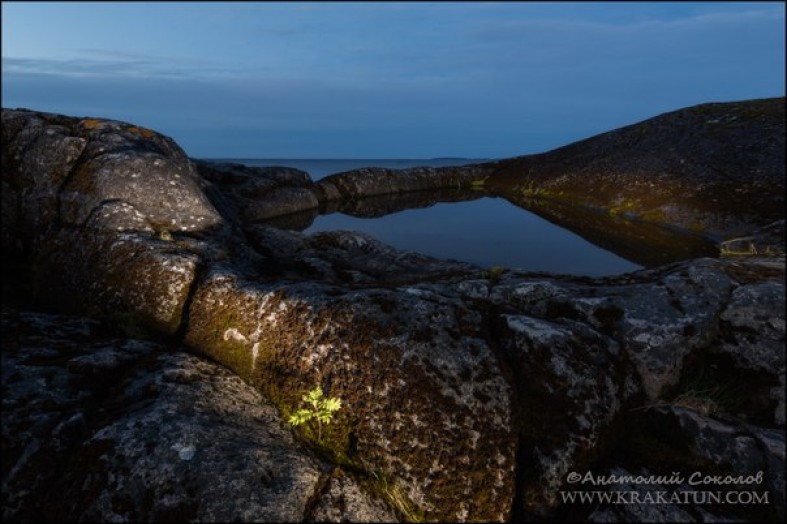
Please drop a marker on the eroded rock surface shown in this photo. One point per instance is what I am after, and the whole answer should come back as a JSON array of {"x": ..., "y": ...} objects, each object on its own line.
[
  {"x": 97, "y": 427},
  {"x": 468, "y": 394}
]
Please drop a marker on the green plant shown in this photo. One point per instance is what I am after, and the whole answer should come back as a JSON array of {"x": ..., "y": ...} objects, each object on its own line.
[
  {"x": 165, "y": 235},
  {"x": 320, "y": 409}
]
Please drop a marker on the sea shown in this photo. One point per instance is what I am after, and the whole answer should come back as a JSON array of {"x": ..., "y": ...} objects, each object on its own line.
[{"x": 487, "y": 231}]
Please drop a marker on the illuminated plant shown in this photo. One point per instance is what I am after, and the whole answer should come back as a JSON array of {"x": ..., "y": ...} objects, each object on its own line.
[{"x": 319, "y": 408}]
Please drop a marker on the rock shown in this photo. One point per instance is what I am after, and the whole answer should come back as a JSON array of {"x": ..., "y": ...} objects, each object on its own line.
[
  {"x": 372, "y": 181},
  {"x": 126, "y": 430},
  {"x": 50, "y": 155},
  {"x": 127, "y": 272},
  {"x": 768, "y": 240},
  {"x": 281, "y": 201},
  {"x": 749, "y": 452},
  {"x": 229, "y": 173},
  {"x": 753, "y": 335},
  {"x": 564, "y": 368},
  {"x": 468, "y": 395},
  {"x": 632, "y": 501},
  {"x": 342, "y": 500},
  {"x": 261, "y": 193},
  {"x": 632, "y": 510},
  {"x": 347, "y": 257},
  {"x": 756, "y": 308},
  {"x": 426, "y": 406},
  {"x": 658, "y": 316},
  {"x": 100, "y": 212},
  {"x": 380, "y": 205},
  {"x": 716, "y": 168}
]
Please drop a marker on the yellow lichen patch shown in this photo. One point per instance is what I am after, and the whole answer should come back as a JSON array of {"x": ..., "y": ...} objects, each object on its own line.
[
  {"x": 141, "y": 131},
  {"x": 91, "y": 123}
]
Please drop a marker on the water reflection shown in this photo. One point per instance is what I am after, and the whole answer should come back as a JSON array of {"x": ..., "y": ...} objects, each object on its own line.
[{"x": 510, "y": 231}]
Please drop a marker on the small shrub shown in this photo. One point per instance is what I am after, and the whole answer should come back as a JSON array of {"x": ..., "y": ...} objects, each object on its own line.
[
  {"x": 320, "y": 409},
  {"x": 165, "y": 235}
]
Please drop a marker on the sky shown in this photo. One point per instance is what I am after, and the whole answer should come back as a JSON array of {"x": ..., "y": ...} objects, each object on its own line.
[{"x": 386, "y": 79}]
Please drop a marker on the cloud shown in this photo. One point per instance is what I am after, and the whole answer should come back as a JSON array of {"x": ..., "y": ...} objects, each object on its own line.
[
  {"x": 115, "y": 64},
  {"x": 438, "y": 85}
]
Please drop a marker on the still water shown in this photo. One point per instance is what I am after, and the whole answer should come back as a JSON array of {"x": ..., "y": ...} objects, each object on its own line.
[
  {"x": 487, "y": 232},
  {"x": 491, "y": 231}
]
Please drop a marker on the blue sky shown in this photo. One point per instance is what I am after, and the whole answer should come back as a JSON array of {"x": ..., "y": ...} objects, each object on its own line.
[{"x": 386, "y": 80}]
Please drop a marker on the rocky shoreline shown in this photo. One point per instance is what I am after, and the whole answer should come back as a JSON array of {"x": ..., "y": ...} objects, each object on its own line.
[{"x": 158, "y": 331}]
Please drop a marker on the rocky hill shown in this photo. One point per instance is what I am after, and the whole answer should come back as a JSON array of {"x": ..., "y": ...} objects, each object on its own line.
[
  {"x": 716, "y": 168},
  {"x": 157, "y": 337}
]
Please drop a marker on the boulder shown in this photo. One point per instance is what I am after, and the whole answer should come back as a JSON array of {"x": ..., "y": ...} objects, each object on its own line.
[
  {"x": 573, "y": 387},
  {"x": 753, "y": 334},
  {"x": 123, "y": 429},
  {"x": 373, "y": 181},
  {"x": 261, "y": 193},
  {"x": 428, "y": 406},
  {"x": 705, "y": 470},
  {"x": 659, "y": 316}
]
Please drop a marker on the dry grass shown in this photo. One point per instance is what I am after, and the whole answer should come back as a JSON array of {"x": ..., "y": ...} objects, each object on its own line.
[{"x": 394, "y": 494}]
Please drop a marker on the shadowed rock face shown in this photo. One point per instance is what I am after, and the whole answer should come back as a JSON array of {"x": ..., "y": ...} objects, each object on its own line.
[
  {"x": 373, "y": 181},
  {"x": 467, "y": 395},
  {"x": 718, "y": 168},
  {"x": 100, "y": 427}
]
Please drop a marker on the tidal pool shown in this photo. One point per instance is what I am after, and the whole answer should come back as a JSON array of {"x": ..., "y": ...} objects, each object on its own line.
[{"x": 486, "y": 231}]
